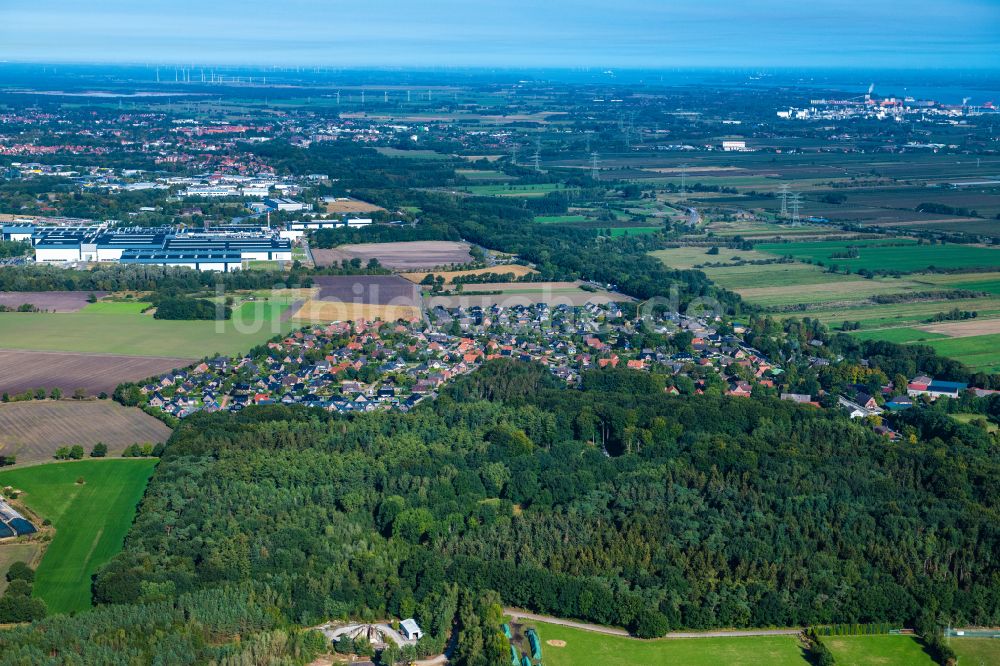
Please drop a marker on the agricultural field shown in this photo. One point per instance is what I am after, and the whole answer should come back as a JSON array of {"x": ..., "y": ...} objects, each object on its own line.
[
  {"x": 783, "y": 283},
  {"x": 509, "y": 294},
  {"x": 90, "y": 520},
  {"x": 407, "y": 256},
  {"x": 533, "y": 190},
  {"x": 887, "y": 650},
  {"x": 901, "y": 335},
  {"x": 515, "y": 269},
  {"x": 33, "y": 430},
  {"x": 122, "y": 328},
  {"x": 980, "y": 352},
  {"x": 976, "y": 651},
  {"x": 322, "y": 312},
  {"x": 49, "y": 301},
  {"x": 561, "y": 219},
  {"x": 900, "y": 314},
  {"x": 416, "y": 154},
  {"x": 68, "y": 371},
  {"x": 904, "y": 255},
  {"x": 352, "y": 297},
  {"x": 348, "y": 205},
  {"x": 577, "y": 647},
  {"x": 484, "y": 176}
]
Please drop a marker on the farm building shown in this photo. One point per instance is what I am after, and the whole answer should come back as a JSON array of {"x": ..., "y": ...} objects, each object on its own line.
[
  {"x": 13, "y": 523},
  {"x": 935, "y": 388}
]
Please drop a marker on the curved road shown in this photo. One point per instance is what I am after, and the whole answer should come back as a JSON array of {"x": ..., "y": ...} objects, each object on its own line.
[{"x": 614, "y": 631}]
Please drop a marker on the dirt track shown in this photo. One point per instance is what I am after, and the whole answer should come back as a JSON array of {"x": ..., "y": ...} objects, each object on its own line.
[{"x": 614, "y": 631}]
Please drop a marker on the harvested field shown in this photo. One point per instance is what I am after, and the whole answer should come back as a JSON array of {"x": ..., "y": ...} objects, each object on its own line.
[
  {"x": 50, "y": 301},
  {"x": 409, "y": 255},
  {"x": 315, "y": 311},
  {"x": 516, "y": 269},
  {"x": 347, "y": 205},
  {"x": 368, "y": 290},
  {"x": 354, "y": 297},
  {"x": 25, "y": 370},
  {"x": 964, "y": 329},
  {"x": 33, "y": 430},
  {"x": 509, "y": 294}
]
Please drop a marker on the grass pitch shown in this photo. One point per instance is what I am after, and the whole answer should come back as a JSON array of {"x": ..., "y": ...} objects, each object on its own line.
[
  {"x": 887, "y": 650},
  {"x": 976, "y": 651},
  {"x": 90, "y": 520},
  {"x": 584, "y": 648}
]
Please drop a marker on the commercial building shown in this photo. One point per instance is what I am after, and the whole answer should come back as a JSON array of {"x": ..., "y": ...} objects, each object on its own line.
[
  {"x": 287, "y": 205},
  {"x": 203, "y": 250}
]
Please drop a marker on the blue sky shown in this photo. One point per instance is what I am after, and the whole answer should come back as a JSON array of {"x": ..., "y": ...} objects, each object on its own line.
[{"x": 962, "y": 34}]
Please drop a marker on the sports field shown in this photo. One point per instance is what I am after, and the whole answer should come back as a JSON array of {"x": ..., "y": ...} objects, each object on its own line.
[
  {"x": 976, "y": 651},
  {"x": 90, "y": 520},
  {"x": 584, "y": 648},
  {"x": 122, "y": 328},
  {"x": 904, "y": 255},
  {"x": 884, "y": 650}
]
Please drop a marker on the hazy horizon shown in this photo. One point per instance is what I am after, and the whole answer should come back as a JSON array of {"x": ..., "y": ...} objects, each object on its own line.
[{"x": 632, "y": 34}]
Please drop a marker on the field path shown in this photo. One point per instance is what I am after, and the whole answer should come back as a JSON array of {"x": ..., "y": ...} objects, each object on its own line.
[{"x": 514, "y": 613}]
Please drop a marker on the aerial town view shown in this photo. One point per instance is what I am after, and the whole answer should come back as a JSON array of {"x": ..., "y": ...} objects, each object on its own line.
[{"x": 500, "y": 334}]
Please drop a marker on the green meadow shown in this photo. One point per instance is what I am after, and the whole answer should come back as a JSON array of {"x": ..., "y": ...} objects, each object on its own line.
[
  {"x": 120, "y": 327},
  {"x": 90, "y": 520}
]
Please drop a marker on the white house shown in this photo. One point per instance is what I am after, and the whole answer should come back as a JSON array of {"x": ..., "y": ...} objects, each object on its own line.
[{"x": 410, "y": 629}]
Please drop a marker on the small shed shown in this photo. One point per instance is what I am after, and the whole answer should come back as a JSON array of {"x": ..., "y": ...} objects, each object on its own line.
[{"x": 410, "y": 629}]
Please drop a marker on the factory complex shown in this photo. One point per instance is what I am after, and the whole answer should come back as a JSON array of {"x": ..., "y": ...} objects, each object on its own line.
[{"x": 217, "y": 248}]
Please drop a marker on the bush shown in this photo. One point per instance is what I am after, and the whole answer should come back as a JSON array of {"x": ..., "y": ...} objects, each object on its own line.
[
  {"x": 19, "y": 608},
  {"x": 20, "y": 571},
  {"x": 99, "y": 451}
]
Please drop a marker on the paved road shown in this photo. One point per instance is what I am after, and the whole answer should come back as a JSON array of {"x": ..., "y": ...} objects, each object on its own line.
[{"x": 613, "y": 631}]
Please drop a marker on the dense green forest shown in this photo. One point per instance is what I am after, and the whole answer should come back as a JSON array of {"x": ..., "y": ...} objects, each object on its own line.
[
  {"x": 724, "y": 512},
  {"x": 180, "y": 307}
]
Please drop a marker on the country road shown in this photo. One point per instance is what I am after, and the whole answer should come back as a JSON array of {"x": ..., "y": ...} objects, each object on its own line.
[{"x": 614, "y": 631}]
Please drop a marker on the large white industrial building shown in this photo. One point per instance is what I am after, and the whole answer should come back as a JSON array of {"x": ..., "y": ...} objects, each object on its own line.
[{"x": 214, "y": 249}]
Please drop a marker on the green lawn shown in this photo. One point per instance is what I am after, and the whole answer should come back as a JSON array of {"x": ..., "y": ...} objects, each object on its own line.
[
  {"x": 882, "y": 650},
  {"x": 898, "y": 254},
  {"x": 990, "y": 426},
  {"x": 120, "y": 328},
  {"x": 90, "y": 520},
  {"x": 976, "y": 651},
  {"x": 585, "y": 648}
]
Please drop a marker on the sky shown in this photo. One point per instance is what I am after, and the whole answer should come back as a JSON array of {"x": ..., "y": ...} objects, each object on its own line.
[{"x": 907, "y": 34}]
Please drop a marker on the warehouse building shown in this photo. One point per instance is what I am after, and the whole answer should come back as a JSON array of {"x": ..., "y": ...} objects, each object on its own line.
[{"x": 206, "y": 250}]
